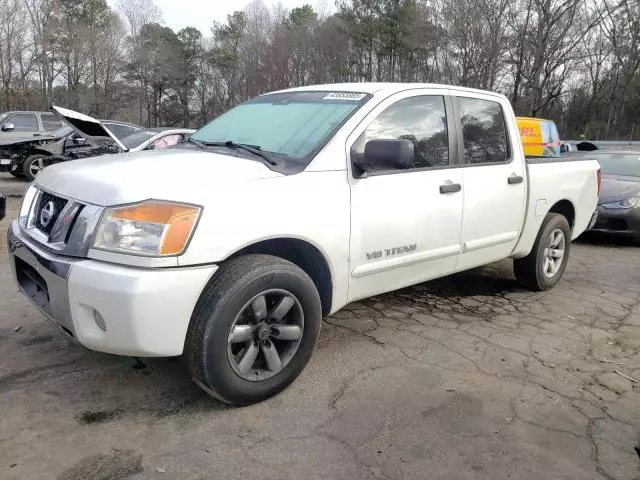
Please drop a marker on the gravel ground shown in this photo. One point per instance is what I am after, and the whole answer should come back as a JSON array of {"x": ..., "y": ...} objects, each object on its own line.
[{"x": 469, "y": 377}]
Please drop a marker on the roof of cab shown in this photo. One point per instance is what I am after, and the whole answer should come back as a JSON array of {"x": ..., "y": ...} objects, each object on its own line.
[{"x": 386, "y": 88}]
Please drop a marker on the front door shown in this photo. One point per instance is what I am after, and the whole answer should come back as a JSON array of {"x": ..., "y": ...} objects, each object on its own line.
[
  {"x": 25, "y": 125},
  {"x": 405, "y": 224}
]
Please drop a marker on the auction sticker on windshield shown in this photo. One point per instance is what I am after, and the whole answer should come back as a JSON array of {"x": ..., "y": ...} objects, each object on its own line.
[{"x": 354, "y": 97}]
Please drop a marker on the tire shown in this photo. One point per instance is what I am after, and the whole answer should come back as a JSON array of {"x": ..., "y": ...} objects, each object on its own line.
[
  {"x": 213, "y": 352},
  {"x": 32, "y": 165},
  {"x": 533, "y": 270}
]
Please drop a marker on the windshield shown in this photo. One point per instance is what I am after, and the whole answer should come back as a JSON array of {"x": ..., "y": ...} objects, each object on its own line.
[
  {"x": 293, "y": 124},
  {"x": 137, "y": 139},
  {"x": 624, "y": 164}
]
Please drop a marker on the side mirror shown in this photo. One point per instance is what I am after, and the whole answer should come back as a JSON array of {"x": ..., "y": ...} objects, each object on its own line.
[
  {"x": 8, "y": 127},
  {"x": 385, "y": 155}
]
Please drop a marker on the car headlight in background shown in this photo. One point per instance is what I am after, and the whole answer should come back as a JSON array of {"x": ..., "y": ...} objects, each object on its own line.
[
  {"x": 630, "y": 202},
  {"x": 150, "y": 228}
]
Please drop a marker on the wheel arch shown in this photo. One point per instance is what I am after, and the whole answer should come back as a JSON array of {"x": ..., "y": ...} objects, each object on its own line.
[
  {"x": 535, "y": 222},
  {"x": 303, "y": 253},
  {"x": 566, "y": 209},
  {"x": 30, "y": 152},
  {"x": 37, "y": 151}
]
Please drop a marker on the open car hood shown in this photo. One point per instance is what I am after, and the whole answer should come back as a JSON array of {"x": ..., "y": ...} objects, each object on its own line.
[{"x": 90, "y": 128}]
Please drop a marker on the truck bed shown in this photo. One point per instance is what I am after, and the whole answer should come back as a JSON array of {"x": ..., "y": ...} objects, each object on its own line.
[{"x": 565, "y": 157}]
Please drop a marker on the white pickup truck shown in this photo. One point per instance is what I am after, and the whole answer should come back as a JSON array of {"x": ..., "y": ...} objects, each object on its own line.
[{"x": 232, "y": 247}]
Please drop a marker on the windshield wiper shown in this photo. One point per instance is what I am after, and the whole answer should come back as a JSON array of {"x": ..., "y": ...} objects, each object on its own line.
[
  {"x": 199, "y": 144},
  {"x": 254, "y": 149}
]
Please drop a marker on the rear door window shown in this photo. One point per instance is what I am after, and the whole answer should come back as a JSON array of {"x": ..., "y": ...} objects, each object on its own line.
[
  {"x": 484, "y": 131},
  {"x": 50, "y": 122}
]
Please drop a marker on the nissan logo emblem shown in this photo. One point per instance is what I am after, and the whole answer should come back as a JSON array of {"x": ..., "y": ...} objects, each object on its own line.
[{"x": 47, "y": 213}]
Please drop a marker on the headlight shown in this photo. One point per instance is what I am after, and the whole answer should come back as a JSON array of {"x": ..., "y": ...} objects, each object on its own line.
[
  {"x": 630, "y": 202},
  {"x": 27, "y": 204},
  {"x": 150, "y": 228}
]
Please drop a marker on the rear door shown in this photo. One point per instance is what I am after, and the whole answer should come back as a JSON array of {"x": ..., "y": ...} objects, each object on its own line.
[
  {"x": 494, "y": 177},
  {"x": 405, "y": 224},
  {"x": 50, "y": 123}
]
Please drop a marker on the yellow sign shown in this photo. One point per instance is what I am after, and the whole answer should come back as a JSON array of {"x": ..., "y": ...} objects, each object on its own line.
[{"x": 539, "y": 137}]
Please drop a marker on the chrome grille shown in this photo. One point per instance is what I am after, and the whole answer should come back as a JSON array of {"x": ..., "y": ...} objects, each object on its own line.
[
  {"x": 48, "y": 211},
  {"x": 66, "y": 227}
]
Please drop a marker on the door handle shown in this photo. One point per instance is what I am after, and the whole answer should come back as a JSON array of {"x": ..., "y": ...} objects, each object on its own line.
[
  {"x": 450, "y": 188},
  {"x": 515, "y": 179}
]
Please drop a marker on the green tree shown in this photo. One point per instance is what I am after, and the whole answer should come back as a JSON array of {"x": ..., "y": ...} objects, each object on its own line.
[
  {"x": 159, "y": 54},
  {"x": 191, "y": 55}
]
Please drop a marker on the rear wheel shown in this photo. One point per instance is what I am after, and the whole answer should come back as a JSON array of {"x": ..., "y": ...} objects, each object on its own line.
[
  {"x": 543, "y": 268},
  {"x": 32, "y": 166},
  {"x": 253, "y": 330}
]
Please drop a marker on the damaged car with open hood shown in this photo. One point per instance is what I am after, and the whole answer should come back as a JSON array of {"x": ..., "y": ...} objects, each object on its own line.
[
  {"x": 84, "y": 137},
  {"x": 104, "y": 141},
  {"x": 27, "y": 155}
]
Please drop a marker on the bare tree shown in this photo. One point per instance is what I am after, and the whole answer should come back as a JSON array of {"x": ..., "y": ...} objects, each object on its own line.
[
  {"x": 16, "y": 54},
  {"x": 622, "y": 29},
  {"x": 576, "y": 61},
  {"x": 138, "y": 13}
]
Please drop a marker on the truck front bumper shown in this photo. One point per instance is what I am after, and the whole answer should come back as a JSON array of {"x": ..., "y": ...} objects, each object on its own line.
[{"x": 106, "y": 307}]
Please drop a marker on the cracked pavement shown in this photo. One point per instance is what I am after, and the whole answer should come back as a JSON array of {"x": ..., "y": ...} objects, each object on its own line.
[{"x": 468, "y": 377}]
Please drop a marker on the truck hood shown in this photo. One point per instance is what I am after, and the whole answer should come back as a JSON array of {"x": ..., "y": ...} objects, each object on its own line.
[
  {"x": 616, "y": 188},
  {"x": 173, "y": 174}
]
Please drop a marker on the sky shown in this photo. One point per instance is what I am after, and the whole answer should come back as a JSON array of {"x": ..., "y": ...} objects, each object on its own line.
[{"x": 202, "y": 13}]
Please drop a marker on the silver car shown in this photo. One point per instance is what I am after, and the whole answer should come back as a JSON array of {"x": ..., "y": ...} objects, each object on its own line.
[{"x": 26, "y": 124}]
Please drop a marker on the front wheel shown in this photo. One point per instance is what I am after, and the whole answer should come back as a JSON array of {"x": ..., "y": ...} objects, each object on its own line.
[
  {"x": 253, "y": 330},
  {"x": 32, "y": 166},
  {"x": 543, "y": 268}
]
